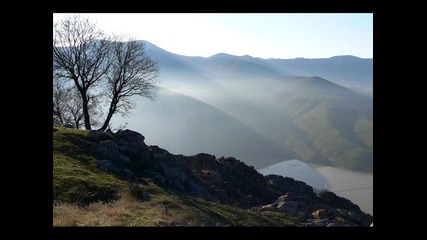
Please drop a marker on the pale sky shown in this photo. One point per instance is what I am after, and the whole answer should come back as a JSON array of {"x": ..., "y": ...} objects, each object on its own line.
[{"x": 272, "y": 35}]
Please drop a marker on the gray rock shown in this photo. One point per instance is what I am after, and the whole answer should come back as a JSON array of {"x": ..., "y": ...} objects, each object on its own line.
[
  {"x": 283, "y": 185},
  {"x": 98, "y": 135},
  {"x": 127, "y": 149},
  {"x": 130, "y": 136},
  {"x": 334, "y": 224},
  {"x": 106, "y": 165},
  {"x": 269, "y": 207},
  {"x": 108, "y": 150},
  {"x": 68, "y": 125},
  {"x": 157, "y": 177},
  {"x": 320, "y": 214},
  {"x": 132, "y": 143},
  {"x": 157, "y": 150},
  {"x": 93, "y": 135},
  {"x": 289, "y": 206},
  {"x": 318, "y": 222},
  {"x": 170, "y": 172},
  {"x": 123, "y": 159},
  {"x": 128, "y": 174}
]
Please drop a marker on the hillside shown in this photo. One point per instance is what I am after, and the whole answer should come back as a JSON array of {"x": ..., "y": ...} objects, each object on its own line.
[{"x": 115, "y": 179}]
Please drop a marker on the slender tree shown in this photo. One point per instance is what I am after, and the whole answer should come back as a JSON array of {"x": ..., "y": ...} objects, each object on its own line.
[
  {"x": 81, "y": 55},
  {"x": 60, "y": 98},
  {"x": 132, "y": 73},
  {"x": 68, "y": 108}
]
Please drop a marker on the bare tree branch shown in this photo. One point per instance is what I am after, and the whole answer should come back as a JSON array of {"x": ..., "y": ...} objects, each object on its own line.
[
  {"x": 81, "y": 55},
  {"x": 132, "y": 73},
  {"x": 68, "y": 107}
]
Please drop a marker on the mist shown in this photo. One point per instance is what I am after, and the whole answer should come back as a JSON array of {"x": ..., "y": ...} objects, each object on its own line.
[{"x": 258, "y": 111}]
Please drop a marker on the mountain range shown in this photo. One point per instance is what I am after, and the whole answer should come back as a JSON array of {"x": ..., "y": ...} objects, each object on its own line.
[{"x": 262, "y": 111}]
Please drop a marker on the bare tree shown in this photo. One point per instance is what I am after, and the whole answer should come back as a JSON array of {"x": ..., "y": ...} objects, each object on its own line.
[
  {"x": 80, "y": 55},
  {"x": 132, "y": 73},
  {"x": 68, "y": 107},
  {"x": 60, "y": 98}
]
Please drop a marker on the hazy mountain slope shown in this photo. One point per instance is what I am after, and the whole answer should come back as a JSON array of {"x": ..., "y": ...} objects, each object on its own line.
[
  {"x": 310, "y": 118},
  {"x": 175, "y": 70},
  {"x": 185, "y": 125},
  {"x": 336, "y": 119}
]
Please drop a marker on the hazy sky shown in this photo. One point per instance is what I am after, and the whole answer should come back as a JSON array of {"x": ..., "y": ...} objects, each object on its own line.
[{"x": 259, "y": 35}]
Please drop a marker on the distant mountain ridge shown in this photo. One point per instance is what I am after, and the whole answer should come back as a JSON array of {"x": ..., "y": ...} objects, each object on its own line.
[{"x": 347, "y": 70}]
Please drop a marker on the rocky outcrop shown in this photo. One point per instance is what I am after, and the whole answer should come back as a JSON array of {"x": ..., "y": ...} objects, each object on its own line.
[
  {"x": 338, "y": 202},
  {"x": 108, "y": 150},
  {"x": 98, "y": 135},
  {"x": 225, "y": 179},
  {"x": 281, "y": 184}
]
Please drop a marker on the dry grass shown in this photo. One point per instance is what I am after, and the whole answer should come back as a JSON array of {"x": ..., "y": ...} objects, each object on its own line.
[
  {"x": 164, "y": 208},
  {"x": 96, "y": 214},
  {"x": 120, "y": 213}
]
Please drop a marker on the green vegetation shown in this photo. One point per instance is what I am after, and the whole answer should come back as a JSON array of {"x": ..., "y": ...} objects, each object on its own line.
[
  {"x": 76, "y": 179},
  {"x": 86, "y": 196}
]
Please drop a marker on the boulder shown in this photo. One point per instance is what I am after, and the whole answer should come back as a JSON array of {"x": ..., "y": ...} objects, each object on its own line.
[
  {"x": 106, "y": 166},
  {"x": 338, "y": 202},
  {"x": 318, "y": 223},
  {"x": 128, "y": 174},
  {"x": 123, "y": 159},
  {"x": 290, "y": 203},
  {"x": 98, "y": 135},
  {"x": 320, "y": 214},
  {"x": 156, "y": 149},
  {"x": 131, "y": 143},
  {"x": 283, "y": 185},
  {"x": 170, "y": 172},
  {"x": 107, "y": 150},
  {"x": 130, "y": 136}
]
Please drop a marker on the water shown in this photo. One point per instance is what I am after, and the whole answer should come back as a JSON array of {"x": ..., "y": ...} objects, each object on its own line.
[
  {"x": 298, "y": 170},
  {"x": 355, "y": 186}
]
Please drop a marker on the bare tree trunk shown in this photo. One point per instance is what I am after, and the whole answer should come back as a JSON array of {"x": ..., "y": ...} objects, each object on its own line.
[
  {"x": 111, "y": 111},
  {"x": 86, "y": 111}
]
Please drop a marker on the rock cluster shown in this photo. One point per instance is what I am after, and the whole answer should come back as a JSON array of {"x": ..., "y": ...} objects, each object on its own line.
[{"x": 225, "y": 179}]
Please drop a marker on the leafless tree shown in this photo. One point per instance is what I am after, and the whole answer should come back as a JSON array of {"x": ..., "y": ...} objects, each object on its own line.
[
  {"x": 60, "y": 98},
  {"x": 132, "y": 73},
  {"x": 68, "y": 107},
  {"x": 81, "y": 55}
]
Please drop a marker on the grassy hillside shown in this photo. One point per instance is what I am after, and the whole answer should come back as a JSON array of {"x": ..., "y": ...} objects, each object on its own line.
[
  {"x": 336, "y": 120},
  {"x": 85, "y": 196},
  {"x": 76, "y": 179}
]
